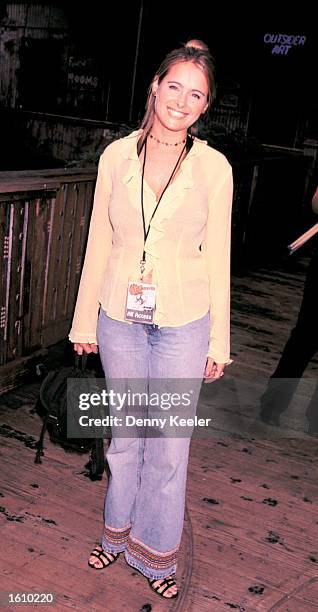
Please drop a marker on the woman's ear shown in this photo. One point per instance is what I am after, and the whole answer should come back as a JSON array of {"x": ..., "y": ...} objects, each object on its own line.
[{"x": 154, "y": 86}]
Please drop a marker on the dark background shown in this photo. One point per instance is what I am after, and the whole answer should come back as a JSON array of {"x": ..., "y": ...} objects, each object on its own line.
[
  {"x": 282, "y": 87},
  {"x": 279, "y": 90}
]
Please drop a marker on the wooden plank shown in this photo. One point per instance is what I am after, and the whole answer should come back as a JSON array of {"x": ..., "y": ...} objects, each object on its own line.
[
  {"x": 69, "y": 243},
  {"x": 70, "y": 192},
  {"x": 17, "y": 372},
  {"x": 82, "y": 213},
  {"x": 36, "y": 255},
  {"x": 27, "y": 180},
  {"x": 4, "y": 271},
  {"x": 55, "y": 241},
  {"x": 14, "y": 326}
]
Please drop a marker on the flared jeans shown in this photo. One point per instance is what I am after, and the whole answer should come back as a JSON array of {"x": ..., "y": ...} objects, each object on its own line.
[{"x": 145, "y": 499}]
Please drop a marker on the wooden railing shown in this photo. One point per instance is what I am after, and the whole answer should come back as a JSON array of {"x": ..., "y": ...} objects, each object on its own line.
[{"x": 44, "y": 217}]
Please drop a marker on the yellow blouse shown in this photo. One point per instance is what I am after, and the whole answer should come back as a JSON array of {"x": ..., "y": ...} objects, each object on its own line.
[{"x": 187, "y": 248}]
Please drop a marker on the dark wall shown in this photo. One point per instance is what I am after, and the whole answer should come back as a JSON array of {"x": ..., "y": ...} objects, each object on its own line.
[{"x": 103, "y": 36}]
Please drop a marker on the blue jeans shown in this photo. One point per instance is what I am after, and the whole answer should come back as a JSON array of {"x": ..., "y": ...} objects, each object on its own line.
[{"x": 144, "y": 505}]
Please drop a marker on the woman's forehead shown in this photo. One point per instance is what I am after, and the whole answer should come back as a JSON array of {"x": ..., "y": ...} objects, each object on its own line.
[{"x": 187, "y": 72}]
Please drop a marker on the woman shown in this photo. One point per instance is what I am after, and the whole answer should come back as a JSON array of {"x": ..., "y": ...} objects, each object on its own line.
[{"x": 160, "y": 227}]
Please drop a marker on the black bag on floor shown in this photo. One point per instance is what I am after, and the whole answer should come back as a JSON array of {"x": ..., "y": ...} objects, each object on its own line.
[{"x": 52, "y": 407}]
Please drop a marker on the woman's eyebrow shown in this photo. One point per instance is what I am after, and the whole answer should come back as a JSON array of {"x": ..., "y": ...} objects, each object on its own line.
[{"x": 177, "y": 83}]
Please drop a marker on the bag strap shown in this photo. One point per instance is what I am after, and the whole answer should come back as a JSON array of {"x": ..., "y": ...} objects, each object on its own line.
[
  {"x": 39, "y": 444},
  {"x": 81, "y": 361}
]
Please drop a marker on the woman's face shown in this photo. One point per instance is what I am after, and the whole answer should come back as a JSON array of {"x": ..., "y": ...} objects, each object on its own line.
[{"x": 181, "y": 97}]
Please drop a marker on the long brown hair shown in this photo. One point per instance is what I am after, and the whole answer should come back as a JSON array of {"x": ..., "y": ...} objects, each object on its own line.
[{"x": 194, "y": 51}]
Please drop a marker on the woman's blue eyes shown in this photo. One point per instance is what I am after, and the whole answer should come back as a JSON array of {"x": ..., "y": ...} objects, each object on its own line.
[{"x": 194, "y": 95}]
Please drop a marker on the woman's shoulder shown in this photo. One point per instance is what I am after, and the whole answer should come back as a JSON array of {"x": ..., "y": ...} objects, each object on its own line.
[
  {"x": 210, "y": 155},
  {"x": 122, "y": 145}
]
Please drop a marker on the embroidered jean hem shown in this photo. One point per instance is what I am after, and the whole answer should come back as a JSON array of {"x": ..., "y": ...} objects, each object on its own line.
[
  {"x": 114, "y": 540},
  {"x": 138, "y": 555},
  {"x": 147, "y": 571},
  {"x": 112, "y": 548}
]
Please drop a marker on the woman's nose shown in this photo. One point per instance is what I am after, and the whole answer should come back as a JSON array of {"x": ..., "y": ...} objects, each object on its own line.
[{"x": 181, "y": 99}]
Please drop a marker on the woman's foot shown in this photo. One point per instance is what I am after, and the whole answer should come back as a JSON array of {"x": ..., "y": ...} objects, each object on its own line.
[
  {"x": 99, "y": 558},
  {"x": 165, "y": 587}
]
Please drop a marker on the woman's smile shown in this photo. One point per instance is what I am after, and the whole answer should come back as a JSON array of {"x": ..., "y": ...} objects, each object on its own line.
[{"x": 176, "y": 113}]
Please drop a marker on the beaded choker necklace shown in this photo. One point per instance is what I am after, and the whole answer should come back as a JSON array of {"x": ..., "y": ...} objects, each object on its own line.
[{"x": 167, "y": 144}]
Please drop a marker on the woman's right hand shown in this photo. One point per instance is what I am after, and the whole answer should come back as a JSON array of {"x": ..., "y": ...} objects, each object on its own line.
[{"x": 86, "y": 347}]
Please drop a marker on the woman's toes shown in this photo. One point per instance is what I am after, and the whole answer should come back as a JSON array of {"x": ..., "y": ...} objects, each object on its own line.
[
  {"x": 95, "y": 562},
  {"x": 162, "y": 587},
  {"x": 171, "y": 591}
]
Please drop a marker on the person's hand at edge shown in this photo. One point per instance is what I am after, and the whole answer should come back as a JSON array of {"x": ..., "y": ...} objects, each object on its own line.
[
  {"x": 213, "y": 371},
  {"x": 85, "y": 347}
]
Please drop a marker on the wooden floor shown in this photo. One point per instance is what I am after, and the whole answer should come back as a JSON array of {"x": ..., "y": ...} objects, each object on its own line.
[{"x": 251, "y": 528}]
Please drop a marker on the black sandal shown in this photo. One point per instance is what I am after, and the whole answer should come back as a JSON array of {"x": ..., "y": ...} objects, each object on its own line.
[
  {"x": 106, "y": 558},
  {"x": 167, "y": 583}
]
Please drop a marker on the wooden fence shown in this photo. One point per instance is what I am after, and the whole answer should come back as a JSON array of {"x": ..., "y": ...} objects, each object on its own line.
[{"x": 44, "y": 217}]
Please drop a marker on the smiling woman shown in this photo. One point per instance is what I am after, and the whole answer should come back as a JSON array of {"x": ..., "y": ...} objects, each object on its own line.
[
  {"x": 193, "y": 63},
  {"x": 181, "y": 97},
  {"x": 155, "y": 295}
]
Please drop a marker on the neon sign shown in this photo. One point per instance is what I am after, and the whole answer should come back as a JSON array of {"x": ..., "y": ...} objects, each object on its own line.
[{"x": 281, "y": 43}]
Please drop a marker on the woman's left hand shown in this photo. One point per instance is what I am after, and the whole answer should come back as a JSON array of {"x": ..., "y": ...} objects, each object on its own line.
[{"x": 213, "y": 370}]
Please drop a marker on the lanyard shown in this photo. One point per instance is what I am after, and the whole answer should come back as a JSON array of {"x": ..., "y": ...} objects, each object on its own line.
[{"x": 146, "y": 232}]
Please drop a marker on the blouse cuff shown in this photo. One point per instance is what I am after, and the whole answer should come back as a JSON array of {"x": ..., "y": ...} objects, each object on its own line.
[
  {"x": 220, "y": 358},
  {"x": 82, "y": 338}
]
